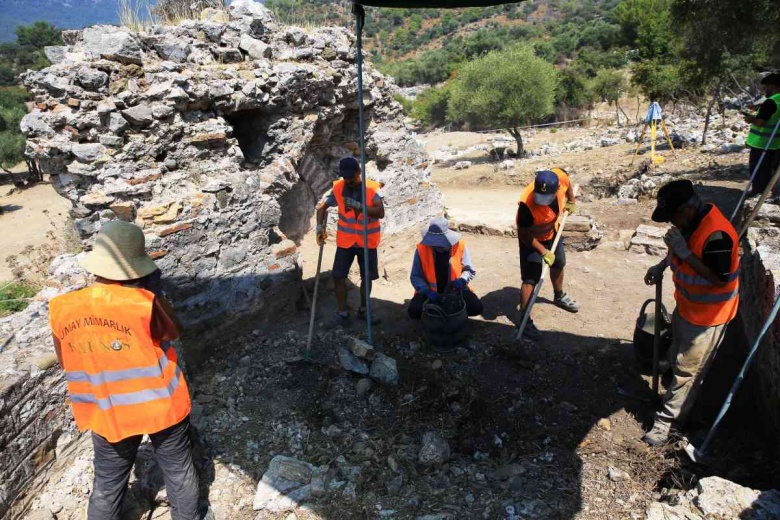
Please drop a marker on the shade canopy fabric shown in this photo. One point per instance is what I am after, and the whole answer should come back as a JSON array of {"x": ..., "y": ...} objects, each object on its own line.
[{"x": 451, "y": 4}]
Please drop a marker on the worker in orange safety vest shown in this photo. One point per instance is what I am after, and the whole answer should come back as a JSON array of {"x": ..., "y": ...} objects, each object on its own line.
[
  {"x": 538, "y": 211},
  {"x": 123, "y": 377},
  {"x": 704, "y": 259},
  {"x": 346, "y": 196}
]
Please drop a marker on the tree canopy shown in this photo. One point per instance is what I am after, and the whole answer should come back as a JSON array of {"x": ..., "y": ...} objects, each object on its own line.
[{"x": 506, "y": 89}]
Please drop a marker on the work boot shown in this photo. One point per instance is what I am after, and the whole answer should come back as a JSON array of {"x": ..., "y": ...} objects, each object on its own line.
[
  {"x": 342, "y": 320},
  {"x": 563, "y": 301},
  {"x": 530, "y": 331},
  {"x": 659, "y": 435},
  {"x": 375, "y": 318}
]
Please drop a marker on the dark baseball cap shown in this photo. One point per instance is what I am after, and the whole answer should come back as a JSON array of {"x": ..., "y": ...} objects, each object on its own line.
[
  {"x": 671, "y": 197},
  {"x": 348, "y": 167},
  {"x": 545, "y": 187}
]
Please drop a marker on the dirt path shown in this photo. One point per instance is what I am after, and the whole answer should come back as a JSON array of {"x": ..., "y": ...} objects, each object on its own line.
[{"x": 31, "y": 218}]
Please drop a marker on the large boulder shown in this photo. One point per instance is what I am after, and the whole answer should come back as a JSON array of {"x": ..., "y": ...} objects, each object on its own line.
[{"x": 112, "y": 43}]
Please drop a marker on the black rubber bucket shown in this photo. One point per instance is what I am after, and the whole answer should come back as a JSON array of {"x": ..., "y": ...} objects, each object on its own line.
[
  {"x": 644, "y": 334},
  {"x": 445, "y": 322}
]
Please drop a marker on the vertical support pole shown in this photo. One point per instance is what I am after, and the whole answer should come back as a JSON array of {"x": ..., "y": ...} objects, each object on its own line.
[
  {"x": 653, "y": 137},
  {"x": 360, "y": 18},
  {"x": 639, "y": 142}
]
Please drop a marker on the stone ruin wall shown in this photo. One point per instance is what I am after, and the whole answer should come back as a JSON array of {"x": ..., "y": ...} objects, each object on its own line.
[
  {"x": 217, "y": 137},
  {"x": 760, "y": 285}
]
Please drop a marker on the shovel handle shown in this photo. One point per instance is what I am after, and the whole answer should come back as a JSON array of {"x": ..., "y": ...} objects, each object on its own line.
[
  {"x": 659, "y": 295},
  {"x": 307, "y": 354}
]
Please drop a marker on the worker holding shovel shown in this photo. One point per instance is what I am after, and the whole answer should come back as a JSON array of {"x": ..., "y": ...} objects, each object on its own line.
[
  {"x": 704, "y": 259},
  {"x": 349, "y": 237},
  {"x": 538, "y": 210}
]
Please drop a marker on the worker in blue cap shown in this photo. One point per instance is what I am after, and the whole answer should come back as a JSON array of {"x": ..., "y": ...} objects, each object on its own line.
[
  {"x": 346, "y": 195},
  {"x": 540, "y": 205}
]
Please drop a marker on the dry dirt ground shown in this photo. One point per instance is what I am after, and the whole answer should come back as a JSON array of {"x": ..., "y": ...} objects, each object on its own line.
[
  {"x": 532, "y": 431},
  {"x": 31, "y": 219}
]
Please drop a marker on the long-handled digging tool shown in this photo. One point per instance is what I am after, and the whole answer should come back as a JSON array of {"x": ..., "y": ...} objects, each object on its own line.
[
  {"x": 659, "y": 295},
  {"x": 306, "y": 358},
  {"x": 697, "y": 455},
  {"x": 753, "y": 174},
  {"x": 743, "y": 229},
  {"x": 307, "y": 352},
  {"x": 545, "y": 269}
]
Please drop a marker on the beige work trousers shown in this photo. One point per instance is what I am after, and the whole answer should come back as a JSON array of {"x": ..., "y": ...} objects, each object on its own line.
[{"x": 691, "y": 353}]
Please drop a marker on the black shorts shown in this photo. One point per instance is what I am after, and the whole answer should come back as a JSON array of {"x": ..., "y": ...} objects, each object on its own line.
[
  {"x": 346, "y": 255},
  {"x": 531, "y": 260}
]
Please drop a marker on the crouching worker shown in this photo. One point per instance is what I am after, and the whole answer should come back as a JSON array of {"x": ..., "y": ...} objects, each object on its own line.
[
  {"x": 123, "y": 379},
  {"x": 442, "y": 260}
]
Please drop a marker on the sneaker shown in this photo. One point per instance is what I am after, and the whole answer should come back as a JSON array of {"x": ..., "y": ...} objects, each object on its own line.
[
  {"x": 659, "y": 435},
  {"x": 530, "y": 331},
  {"x": 564, "y": 302},
  {"x": 375, "y": 318},
  {"x": 341, "y": 320}
]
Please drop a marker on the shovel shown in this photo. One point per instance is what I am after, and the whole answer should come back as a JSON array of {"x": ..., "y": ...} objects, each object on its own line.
[{"x": 307, "y": 353}]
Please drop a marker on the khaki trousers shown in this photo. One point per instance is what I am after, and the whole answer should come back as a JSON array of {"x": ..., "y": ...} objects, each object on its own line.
[{"x": 691, "y": 354}]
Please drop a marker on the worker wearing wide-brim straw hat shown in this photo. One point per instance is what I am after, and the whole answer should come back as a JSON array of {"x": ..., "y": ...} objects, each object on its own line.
[{"x": 124, "y": 381}]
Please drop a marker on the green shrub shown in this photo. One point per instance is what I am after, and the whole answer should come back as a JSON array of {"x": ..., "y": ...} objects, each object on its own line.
[
  {"x": 11, "y": 148},
  {"x": 14, "y": 296},
  {"x": 430, "y": 107},
  {"x": 406, "y": 103}
]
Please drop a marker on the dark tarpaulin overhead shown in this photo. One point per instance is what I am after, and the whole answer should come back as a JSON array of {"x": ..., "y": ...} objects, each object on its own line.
[{"x": 452, "y": 4}]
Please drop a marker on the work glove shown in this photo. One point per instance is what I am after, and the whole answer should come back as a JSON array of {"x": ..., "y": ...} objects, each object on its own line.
[
  {"x": 321, "y": 234},
  {"x": 549, "y": 258},
  {"x": 432, "y": 295},
  {"x": 571, "y": 207},
  {"x": 459, "y": 284},
  {"x": 676, "y": 243},
  {"x": 655, "y": 274},
  {"x": 353, "y": 204}
]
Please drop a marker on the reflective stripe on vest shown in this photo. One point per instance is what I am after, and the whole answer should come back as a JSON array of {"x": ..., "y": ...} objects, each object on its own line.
[
  {"x": 700, "y": 301},
  {"x": 350, "y": 225},
  {"x": 121, "y": 381},
  {"x": 758, "y": 137},
  {"x": 545, "y": 219},
  {"x": 428, "y": 263}
]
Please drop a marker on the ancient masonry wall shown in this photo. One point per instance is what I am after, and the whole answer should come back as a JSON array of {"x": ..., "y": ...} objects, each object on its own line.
[
  {"x": 217, "y": 137},
  {"x": 760, "y": 285}
]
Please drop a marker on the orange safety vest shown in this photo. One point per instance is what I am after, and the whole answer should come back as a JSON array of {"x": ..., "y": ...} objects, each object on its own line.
[
  {"x": 120, "y": 380},
  {"x": 429, "y": 267},
  {"x": 545, "y": 219},
  {"x": 699, "y": 301},
  {"x": 350, "y": 227}
]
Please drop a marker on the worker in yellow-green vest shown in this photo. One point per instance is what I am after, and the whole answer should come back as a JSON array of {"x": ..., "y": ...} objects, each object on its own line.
[{"x": 763, "y": 123}]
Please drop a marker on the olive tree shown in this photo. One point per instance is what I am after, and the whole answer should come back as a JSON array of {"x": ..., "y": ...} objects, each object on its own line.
[{"x": 504, "y": 89}]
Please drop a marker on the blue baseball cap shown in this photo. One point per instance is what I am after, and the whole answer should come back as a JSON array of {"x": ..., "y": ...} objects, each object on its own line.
[
  {"x": 348, "y": 167},
  {"x": 545, "y": 187}
]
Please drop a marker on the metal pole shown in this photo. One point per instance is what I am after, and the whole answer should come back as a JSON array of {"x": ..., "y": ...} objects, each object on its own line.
[
  {"x": 360, "y": 18},
  {"x": 753, "y": 174},
  {"x": 740, "y": 377}
]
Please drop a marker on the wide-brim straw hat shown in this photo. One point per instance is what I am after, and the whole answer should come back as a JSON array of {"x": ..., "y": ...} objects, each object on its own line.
[
  {"x": 119, "y": 253},
  {"x": 439, "y": 234}
]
